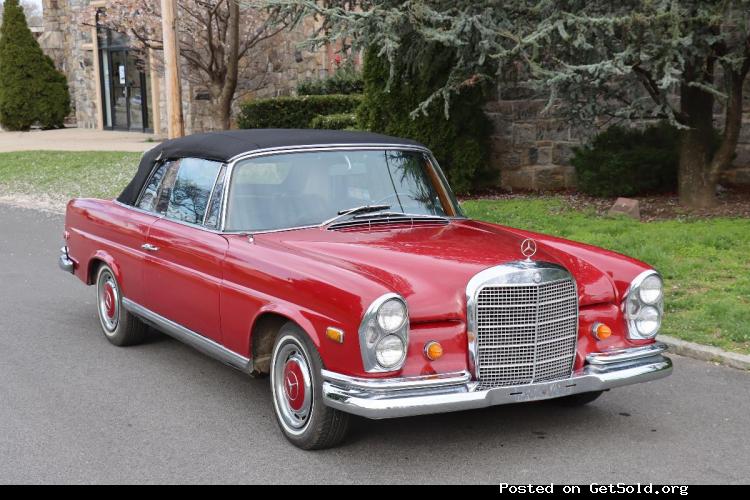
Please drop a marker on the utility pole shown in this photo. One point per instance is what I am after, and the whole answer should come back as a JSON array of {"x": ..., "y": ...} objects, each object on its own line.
[{"x": 175, "y": 124}]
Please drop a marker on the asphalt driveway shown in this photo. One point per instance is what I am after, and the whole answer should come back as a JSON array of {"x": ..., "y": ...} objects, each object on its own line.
[{"x": 75, "y": 409}]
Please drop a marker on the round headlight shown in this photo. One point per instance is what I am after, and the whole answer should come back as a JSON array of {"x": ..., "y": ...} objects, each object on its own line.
[
  {"x": 391, "y": 315},
  {"x": 389, "y": 351},
  {"x": 648, "y": 321},
  {"x": 650, "y": 290}
]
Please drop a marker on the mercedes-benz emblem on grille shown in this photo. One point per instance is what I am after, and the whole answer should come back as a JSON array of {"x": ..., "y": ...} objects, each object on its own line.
[{"x": 528, "y": 248}]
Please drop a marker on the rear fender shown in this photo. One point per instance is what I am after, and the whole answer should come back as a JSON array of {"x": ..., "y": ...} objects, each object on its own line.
[{"x": 92, "y": 266}]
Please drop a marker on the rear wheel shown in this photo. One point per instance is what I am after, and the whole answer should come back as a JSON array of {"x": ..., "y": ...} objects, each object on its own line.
[
  {"x": 296, "y": 386},
  {"x": 579, "y": 399},
  {"x": 119, "y": 326}
]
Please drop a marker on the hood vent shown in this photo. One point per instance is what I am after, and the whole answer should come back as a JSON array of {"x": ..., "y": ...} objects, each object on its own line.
[{"x": 388, "y": 220}]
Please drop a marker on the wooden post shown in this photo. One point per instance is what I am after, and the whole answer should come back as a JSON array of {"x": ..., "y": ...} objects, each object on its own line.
[
  {"x": 98, "y": 80},
  {"x": 175, "y": 124}
]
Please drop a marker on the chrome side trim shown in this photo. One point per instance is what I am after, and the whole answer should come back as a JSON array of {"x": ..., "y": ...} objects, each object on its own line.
[
  {"x": 420, "y": 399},
  {"x": 512, "y": 273},
  {"x": 189, "y": 337},
  {"x": 620, "y": 355}
]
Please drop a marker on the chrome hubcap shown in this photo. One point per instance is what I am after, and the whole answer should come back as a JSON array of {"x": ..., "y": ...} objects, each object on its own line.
[
  {"x": 109, "y": 302},
  {"x": 292, "y": 382}
]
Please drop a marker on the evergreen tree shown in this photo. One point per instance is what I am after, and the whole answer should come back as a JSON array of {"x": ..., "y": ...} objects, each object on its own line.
[
  {"x": 460, "y": 141},
  {"x": 631, "y": 60},
  {"x": 31, "y": 89}
]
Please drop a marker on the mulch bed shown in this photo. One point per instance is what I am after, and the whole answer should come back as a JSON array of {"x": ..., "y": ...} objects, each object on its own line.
[{"x": 731, "y": 203}]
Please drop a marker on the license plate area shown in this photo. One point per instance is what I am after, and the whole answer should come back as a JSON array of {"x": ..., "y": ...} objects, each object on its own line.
[{"x": 538, "y": 392}]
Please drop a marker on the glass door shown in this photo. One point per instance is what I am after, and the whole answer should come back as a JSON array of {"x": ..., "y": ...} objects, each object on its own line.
[
  {"x": 120, "y": 94},
  {"x": 136, "y": 95},
  {"x": 123, "y": 84}
]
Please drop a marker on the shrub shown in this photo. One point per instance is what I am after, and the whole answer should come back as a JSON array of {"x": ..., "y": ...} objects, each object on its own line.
[
  {"x": 345, "y": 80},
  {"x": 627, "y": 162},
  {"x": 31, "y": 89},
  {"x": 339, "y": 121},
  {"x": 293, "y": 112},
  {"x": 460, "y": 143},
  {"x": 53, "y": 104}
]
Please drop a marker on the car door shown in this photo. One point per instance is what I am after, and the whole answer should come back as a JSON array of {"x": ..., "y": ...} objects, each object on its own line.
[
  {"x": 183, "y": 272},
  {"x": 130, "y": 236}
]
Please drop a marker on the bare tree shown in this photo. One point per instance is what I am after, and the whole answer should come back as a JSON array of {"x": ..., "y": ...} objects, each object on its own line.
[{"x": 217, "y": 39}]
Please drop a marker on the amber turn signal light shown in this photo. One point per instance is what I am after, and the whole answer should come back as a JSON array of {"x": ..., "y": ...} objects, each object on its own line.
[
  {"x": 433, "y": 350},
  {"x": 601, "y": 331},
  {"x": 335, "y": 334}
]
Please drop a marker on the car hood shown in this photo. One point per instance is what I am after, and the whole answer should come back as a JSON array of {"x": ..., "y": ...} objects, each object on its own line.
[{"x": 430, "y": 266}]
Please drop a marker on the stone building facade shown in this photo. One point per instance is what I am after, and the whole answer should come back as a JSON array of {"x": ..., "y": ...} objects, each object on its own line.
[
  {"x": 94, "y": 69},
  {"x": 533, "y": 152},
  {"x": 71, "y": 48}
]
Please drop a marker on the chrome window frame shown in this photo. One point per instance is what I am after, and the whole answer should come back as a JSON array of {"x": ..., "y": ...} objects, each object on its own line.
[{"x": 222, "y": 168}]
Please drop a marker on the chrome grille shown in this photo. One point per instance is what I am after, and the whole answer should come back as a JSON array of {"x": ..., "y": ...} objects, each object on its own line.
[{"x": 526, "y": 332}]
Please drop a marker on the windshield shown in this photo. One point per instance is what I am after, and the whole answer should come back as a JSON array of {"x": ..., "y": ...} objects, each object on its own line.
[{"x": 305, "y": 189}]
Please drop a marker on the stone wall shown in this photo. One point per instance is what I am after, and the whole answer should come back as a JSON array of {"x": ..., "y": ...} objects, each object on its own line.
[
  {"x": 69, "y": 46},
  {"x": 275, "y": 70},
  {"x": 532, "y": 152},
  {"x": 528, "y": 151}
]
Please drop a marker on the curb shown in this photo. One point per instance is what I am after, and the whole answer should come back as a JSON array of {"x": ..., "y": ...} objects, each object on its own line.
[{"x": 706, "y": 353}]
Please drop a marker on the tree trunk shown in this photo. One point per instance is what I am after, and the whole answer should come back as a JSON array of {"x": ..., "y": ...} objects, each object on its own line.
[
  {"x": 697, "y": 187},
  {"x": 697, "y": 183},
  {"x": 222, "y": 113},
  {"x": 700, "y": 163},
  {"x": 223, "y": 104}
]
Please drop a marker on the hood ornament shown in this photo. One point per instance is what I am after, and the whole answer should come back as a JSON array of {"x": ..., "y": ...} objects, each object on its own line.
[{"x": 528, "y": 249}]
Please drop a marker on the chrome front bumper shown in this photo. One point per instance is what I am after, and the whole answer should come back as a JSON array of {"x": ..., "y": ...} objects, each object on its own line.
[
  {"x": 65, "y": 262},
  {"x": 402, "y": 397}
]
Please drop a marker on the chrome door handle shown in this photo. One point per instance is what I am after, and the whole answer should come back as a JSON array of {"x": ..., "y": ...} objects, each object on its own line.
[{"x": 149, "y": 248}]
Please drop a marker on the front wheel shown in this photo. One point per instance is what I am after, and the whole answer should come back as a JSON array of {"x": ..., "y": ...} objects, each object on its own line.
[{"x": 296, "y": 386}]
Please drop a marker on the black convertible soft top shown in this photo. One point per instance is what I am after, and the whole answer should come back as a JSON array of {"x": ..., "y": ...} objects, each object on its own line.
[{"x": 223, "y": 146}]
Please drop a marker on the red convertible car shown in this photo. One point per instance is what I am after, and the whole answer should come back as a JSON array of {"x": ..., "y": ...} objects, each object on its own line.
[{"x": 340, "y": 264}]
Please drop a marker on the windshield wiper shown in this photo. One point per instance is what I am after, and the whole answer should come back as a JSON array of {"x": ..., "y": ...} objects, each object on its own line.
[
  {"x": 402, "y": 214},
  {"x": 356, "y": 210}
]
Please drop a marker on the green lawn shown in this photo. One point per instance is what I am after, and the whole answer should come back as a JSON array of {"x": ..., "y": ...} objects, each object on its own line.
[
  {"x": 705, "y": 262},
  {"x": 57, "y": 176}
]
